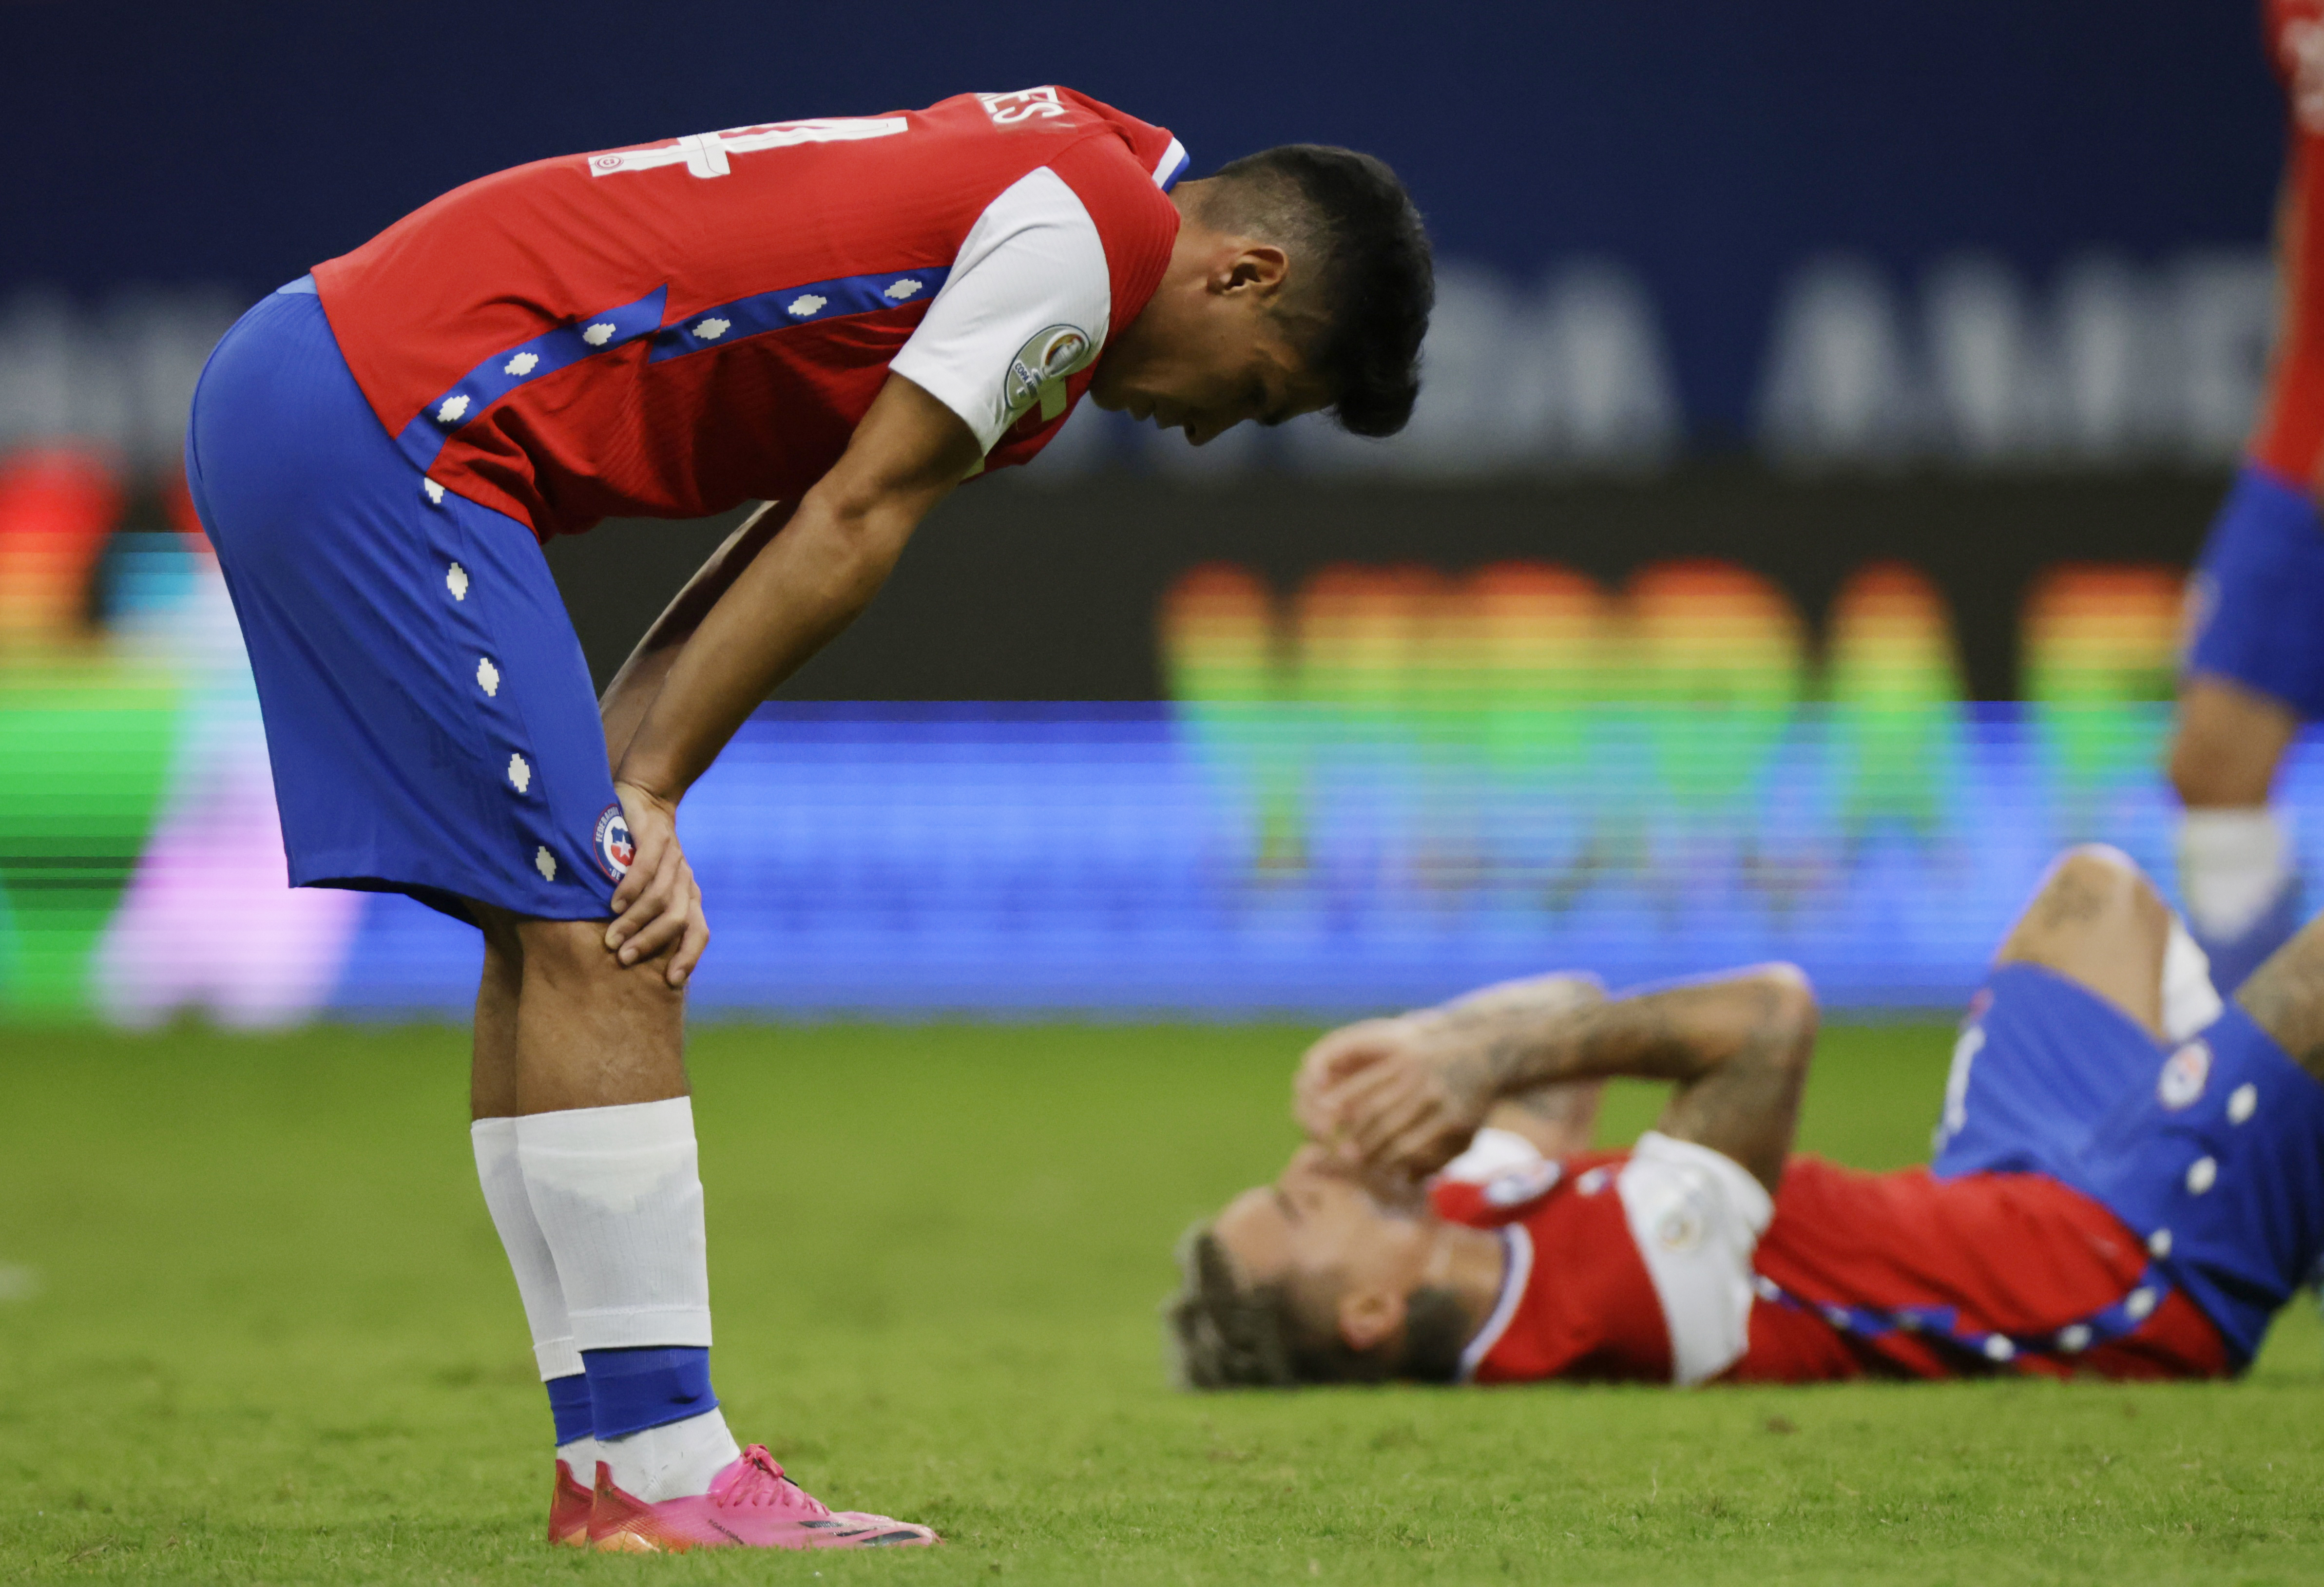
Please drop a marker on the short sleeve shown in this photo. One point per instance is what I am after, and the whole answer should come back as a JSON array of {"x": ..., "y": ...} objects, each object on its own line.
[
  {"x": 1696, "y": 1216},
  {"x": 1026, "y": 305}
]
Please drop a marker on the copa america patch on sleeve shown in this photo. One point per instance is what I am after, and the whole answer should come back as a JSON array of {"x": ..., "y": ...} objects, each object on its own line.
[
  {"x": 613, "y": 845},
  {"x": 1038, "y": 371}
]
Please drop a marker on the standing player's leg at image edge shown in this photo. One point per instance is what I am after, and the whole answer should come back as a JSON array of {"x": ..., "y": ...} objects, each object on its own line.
[{"x": 2254, "y": 663}]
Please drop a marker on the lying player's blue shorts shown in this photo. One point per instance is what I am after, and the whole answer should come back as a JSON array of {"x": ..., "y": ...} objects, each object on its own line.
[
  {"x": 2259, "y": 589},
  {"x": 427, "y": 710},
  {"x": 2213, "y": 1153}
]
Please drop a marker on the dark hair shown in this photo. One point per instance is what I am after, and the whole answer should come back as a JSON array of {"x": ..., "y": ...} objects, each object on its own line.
[
  {"x": 1374, "y": 281},
  {"x": 1225, "y": 1335}
]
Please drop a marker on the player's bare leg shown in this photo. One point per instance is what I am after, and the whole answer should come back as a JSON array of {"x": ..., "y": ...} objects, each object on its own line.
[
  {"x": 2236, "y": 868},
  {"x": 593, "y": 1032},
  {"x": 2098, "y": 920},
  {"x": 2285, "y": 997}
]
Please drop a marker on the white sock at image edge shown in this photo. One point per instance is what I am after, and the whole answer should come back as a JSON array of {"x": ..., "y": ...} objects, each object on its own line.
[{"x": 501, "y": 1177}]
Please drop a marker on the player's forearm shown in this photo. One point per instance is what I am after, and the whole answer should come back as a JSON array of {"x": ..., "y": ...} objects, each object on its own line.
[
  {"x": 805, "y": 587},
  {"x": 1737, "y": 1047},
  {"x": 1519, "y": 1040},
  {"x": 1559, "y": 1120},
  {"x": 640, "y": 680},
  {"x": 1559, "y": 1117}
]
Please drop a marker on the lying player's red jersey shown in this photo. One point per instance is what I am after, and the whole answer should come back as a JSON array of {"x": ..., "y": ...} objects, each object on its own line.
[
  {"x": 672, "y": 329},
  {"x": 1897, "y": 1274}
]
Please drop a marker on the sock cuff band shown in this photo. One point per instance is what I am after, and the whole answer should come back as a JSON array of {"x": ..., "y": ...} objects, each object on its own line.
[
  {"x": 631, "y": 1390},
  {"x": 641, "y": 1327},
  {"x": 556, "y": 1358},
  {"x": 629, "y": 1127},
  {"x": 569, "y": 1405}
]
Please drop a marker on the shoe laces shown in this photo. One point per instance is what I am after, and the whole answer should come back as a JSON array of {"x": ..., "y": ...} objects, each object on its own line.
[{"x": 760, "y": 1484}]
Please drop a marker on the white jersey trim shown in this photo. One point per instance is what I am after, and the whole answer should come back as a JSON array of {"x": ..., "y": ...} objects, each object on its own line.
[
  {"x": 1696, "y": 1217},
  {"x": 1026, "y": 306},
  {"x": 1517, "y": 1272},
  {"x": 1171, "y": 165},
  {"x": 1491, "y": 1151}
]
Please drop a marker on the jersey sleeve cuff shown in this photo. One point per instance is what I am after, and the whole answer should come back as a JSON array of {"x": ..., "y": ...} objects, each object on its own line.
[{"x": 932, "y": 376}]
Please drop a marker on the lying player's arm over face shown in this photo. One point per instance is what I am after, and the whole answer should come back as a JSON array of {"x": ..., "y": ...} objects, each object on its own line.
[
  {"x": 1560, "y": 1117},
  {"x": 807, "y": 584},
  {"x": 1402, "y": 1097}
]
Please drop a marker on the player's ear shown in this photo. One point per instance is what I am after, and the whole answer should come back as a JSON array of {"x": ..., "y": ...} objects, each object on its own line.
[
  {"x": 1254, "y": 267},
  {"x": 1369, "y": 1318}
]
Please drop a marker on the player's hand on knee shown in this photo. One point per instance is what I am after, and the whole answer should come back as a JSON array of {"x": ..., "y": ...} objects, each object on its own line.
[
  {"x": 657, "y": 906},
  {"x": 695, "y": 938}
]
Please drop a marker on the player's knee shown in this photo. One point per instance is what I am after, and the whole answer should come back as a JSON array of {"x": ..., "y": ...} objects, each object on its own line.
[
  {"x": 2101, "y": 876},
  {"x": 570, "y": 958},
  {"x": 1789, "y": 1000}
]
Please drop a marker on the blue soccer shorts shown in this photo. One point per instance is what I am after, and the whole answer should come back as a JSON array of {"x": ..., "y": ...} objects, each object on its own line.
[
  {"x": 2212, "y": 1152},
  {"x": 428, "y": 711},
  {"x": 2256, "y": 612}
]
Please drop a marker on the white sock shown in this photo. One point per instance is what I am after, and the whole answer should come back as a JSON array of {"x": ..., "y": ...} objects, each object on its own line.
[
  {"x": 2190, "y": 1000},
  {"x": 618, "y": 1198},
  {"x": 503, "y": 1178},
  {"x": 498, "y": 1171},
  {"x": 2232, "y": 865},
  {"x": 582, "y": 1456},
  {"x": 674, "y": 1460}
]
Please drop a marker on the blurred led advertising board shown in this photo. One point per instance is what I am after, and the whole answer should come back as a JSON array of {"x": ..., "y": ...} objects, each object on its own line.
[{"x": 1366, "y": 785}]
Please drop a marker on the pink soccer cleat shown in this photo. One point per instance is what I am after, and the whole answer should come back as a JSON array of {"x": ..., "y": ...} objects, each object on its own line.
[
  {"x": 751, "y": 1505},
  {"x": 570, "y": 1506}
]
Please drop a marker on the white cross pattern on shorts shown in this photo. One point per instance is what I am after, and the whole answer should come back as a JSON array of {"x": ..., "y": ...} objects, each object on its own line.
[{"x": 704, "y": 154}]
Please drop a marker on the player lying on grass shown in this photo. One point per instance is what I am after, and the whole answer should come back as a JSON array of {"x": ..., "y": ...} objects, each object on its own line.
[
  {"x": 2128, "y": 1181},
  {"x": 847, "y": 317}
]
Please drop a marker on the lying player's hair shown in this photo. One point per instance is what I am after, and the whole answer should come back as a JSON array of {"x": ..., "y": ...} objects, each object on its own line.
[
  {"x": 1374, "y": 280},
  {"x": 1227, "y": 1335}
]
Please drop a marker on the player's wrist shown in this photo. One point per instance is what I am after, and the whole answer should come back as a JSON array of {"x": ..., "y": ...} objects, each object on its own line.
[{"x": 657, "y": 788}]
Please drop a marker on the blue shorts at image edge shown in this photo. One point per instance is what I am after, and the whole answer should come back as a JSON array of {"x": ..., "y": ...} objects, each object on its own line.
[
  {"x": 428, "y": 714},
  {"x": 2258, "y": 592},
  {"x": 2213, "y": 1153}
]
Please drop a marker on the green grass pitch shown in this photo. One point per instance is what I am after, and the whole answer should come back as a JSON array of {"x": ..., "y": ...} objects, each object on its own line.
[{"x": 258, "y": 1330}]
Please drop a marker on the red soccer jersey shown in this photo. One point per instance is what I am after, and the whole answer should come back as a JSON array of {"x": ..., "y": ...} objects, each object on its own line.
[
  {"x": 1576, "y": 1300},
  {"x": 2289, "y": 440},
  {"x": 672, "y": 329},
  {"x": 1897, "y": 1274}
]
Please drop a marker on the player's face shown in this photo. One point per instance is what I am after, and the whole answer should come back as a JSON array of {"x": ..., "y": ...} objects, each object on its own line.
[
  {"x": 1210, "y": 352},
  {"x": 1323, "y": 1233}
]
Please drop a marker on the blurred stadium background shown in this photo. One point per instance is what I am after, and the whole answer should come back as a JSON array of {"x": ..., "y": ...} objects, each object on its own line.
[{"x": 1825, "y": 402}]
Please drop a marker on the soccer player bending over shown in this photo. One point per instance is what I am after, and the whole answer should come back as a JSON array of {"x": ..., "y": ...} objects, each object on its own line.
[
  {"x": 2128, "y": 1181},
  {"x": 846, "y": 317}
]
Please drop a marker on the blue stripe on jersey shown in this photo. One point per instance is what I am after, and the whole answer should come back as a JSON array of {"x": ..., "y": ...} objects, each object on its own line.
[
  {"x": 512, "y": 367},
  {"x": 1167, "y": 177},
  {"x": 822, "y": 299},
  {"x": 568, "y": 344},
  {"x": 1943, "y": 1324}
]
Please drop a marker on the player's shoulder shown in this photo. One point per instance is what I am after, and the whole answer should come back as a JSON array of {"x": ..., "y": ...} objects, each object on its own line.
[
  {"x": 1107, "y": 155},
  {"x": 1502, "y": 1178}
]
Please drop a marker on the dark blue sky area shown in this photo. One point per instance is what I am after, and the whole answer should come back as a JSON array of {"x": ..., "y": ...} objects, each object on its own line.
[{"x": 1708, "y": 145}]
